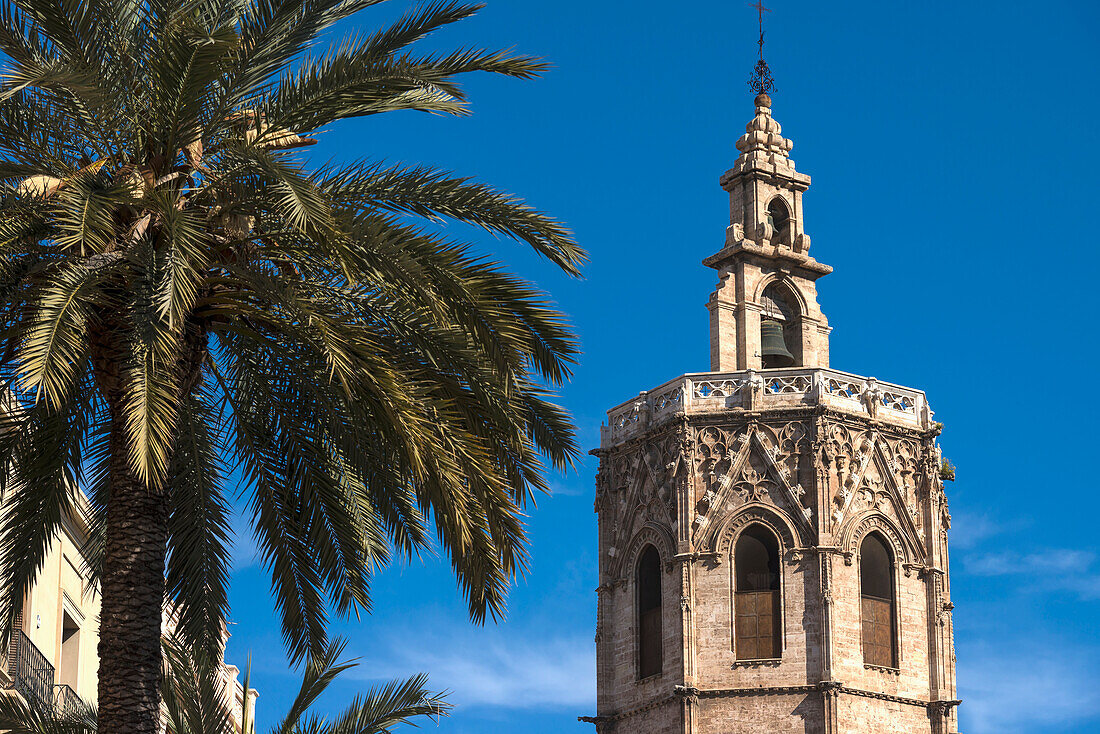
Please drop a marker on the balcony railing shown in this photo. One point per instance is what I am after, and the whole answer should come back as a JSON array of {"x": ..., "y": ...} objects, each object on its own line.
[
  {"x": 66, "y": 702},
  {"x": 31, "y": 672},
  {"x": 707, "y": 392}
]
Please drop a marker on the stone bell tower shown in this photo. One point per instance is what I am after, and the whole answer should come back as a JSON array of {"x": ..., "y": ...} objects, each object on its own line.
[
  {"x": 765, "y": 269},
  {"x": 772, "y": 533}
]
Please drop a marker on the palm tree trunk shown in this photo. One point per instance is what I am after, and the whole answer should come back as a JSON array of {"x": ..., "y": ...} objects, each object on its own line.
[{"x": 133, "y": 600}]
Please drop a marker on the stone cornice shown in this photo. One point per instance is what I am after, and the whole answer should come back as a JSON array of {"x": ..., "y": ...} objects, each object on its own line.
[
  {"x": 630, "y": 712},
  {"x": 746, "y": 248},
  {"x": 758, "y": 393},
  {"x": 736, "y": 417},
  {"x": 830, "y": 687},
  {"x": 766, "y": 172},
  {"x": 756, "y": 691},
  {"x": 75, "y": 522}
]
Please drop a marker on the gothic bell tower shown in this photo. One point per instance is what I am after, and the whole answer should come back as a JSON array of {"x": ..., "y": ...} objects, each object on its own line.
[{"x": 773, "y": 532}]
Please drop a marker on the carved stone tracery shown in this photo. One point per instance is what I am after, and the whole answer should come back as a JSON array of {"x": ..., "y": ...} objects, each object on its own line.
[
  {"x": 642, "y": 507},
  {"x": 726, "y": 536},
  {"x": 758, "y": 465},
  {"x": 858, "y": 529}
]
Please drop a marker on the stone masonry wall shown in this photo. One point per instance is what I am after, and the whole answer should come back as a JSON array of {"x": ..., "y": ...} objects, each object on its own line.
[
  {"x": 713, "y": 617},
  {"x": 820, "y": 484},
  {"x": 622, "y": 689},
  {"x": 861, "y": 715},
  {"x": 798, "y": 713},
  {"x": 910, "y": 680}
]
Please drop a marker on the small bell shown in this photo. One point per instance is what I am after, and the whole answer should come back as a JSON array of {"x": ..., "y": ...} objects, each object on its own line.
[{"x": 773, "y": 348}]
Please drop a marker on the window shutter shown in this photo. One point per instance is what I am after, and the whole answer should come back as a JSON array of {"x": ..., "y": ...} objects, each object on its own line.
[
  {"x": 878, "y": 632},
  {"x": 756, "y": 595},
  {"x": 651, "y": 643},
  {"x": 757, "y": 625}
]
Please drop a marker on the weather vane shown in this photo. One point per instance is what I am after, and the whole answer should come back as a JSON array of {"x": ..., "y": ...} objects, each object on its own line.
[{"x": 761, "y": 81}]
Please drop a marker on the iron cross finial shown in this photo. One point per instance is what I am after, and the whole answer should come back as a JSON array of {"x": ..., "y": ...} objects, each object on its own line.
[
  {"x": 760, "y": 10},
  {"x": 761, "y": 81}
]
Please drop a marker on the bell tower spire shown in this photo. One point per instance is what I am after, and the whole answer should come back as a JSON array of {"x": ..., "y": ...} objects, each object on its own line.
[
  {"x": 761, "y": 81},
  {"x": 764, "y": 311},
  {"x": 772, "y": 533}
]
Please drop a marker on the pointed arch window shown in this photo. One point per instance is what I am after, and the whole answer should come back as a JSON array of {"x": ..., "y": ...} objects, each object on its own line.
[
  {"x": 876, "y": 589},
  {"x": 756, "y": 595},
  {"x": 650, "y": 653}
]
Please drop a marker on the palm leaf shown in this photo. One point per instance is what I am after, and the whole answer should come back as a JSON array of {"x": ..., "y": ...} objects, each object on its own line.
[
  {"x": 39, "y": 464},
  {"x": 197, "y": 577},
  {"x": 187, "y": 301}
]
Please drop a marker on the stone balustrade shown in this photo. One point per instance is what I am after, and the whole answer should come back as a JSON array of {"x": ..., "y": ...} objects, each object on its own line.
[{"x": 708, "y": 392}]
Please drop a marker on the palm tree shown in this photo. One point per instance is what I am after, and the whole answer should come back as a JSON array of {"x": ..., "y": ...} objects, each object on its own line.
[
  {"x": 184, "y": 299},
  {"x": 194, "y": 695}
]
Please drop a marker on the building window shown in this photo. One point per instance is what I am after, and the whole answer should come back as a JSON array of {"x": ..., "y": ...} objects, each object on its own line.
[
  {"x": 650, "y": 657},
  {"x": 876, "y": 582},
  {"x": 756, "y": 595},
  {"x": 69, "y": 670}
]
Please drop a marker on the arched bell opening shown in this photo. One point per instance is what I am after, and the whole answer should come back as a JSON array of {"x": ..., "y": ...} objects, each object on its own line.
[
  {"x": 779, "y": 217},
  {"x": 780, "y": 328}
]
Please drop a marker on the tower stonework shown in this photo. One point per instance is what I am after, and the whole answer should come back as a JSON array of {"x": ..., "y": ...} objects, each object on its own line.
[
  {"x": 765, "y": 244},
  {"x": 772, "y": 539}
]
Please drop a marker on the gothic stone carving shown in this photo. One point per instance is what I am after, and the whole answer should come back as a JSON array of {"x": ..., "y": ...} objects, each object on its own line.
[
  {"x": 642, "y": 503},
  {"x": 758, "y": 465}
]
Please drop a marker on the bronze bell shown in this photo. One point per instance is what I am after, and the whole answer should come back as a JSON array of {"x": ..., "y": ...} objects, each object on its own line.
[{"x": 773, "y": 348}]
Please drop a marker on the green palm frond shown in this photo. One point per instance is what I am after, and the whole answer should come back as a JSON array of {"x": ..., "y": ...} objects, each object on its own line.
[
  {"x": 375, "y": 711},
  {"x": 381, "y": 709},
  {"x": 197, "y": 577},
  {"x": 426, "y": 192},
  {"x": 40, "y": 461},
  {"x": 55, "y": 348},
  {"x": 183, "y": 299},
  {"x": 151, "y": 378},
  {"x": 185, "y": 262},
  {"x": 319, "y": 673},
  {"x": 415, "y": 24},
  {"x": 194, "y": 691},
  {"x": 16, "y": 717}
]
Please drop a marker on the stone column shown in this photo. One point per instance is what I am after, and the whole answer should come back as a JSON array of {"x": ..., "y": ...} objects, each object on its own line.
[
  {"x": 724, "y": 331},
  {"x": 749, "y": 323},
  {"x": 830, "y": 692}
]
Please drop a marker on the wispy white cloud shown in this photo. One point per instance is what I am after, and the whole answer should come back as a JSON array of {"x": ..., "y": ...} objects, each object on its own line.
[
  {"x": 1075, "y": 571},
  {"x": 971, "y": 529},
  {"x": 1023, "y": 689},
  {"x": 571, "y": 487},
  {"x": 492, "y": 667}
]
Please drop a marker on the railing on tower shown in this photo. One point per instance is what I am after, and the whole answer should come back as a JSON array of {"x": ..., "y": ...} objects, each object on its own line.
[
  {"x": 704, "y": 392},
  {"x": 31, "y": 672}
]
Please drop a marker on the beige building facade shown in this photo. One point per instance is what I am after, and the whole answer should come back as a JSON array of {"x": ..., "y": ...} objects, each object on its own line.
[
  {"x": 53, "y": 658},
  {"x": 772, "y": 533},
  {"x": 53, "y": 655}
]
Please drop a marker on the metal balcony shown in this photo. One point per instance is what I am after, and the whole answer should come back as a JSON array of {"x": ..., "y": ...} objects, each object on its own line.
[
  {"x": 66, "y": 702},
  {"x": 31, "y": 673}
]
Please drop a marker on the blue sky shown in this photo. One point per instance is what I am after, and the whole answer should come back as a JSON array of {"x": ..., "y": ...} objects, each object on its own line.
[{"x": 954, "y": 156}]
